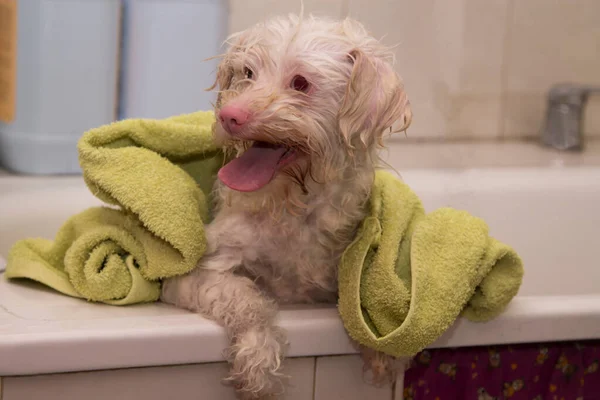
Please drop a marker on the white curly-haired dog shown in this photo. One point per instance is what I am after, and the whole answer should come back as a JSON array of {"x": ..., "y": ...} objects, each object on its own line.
[{"x": 303, "y": 104}]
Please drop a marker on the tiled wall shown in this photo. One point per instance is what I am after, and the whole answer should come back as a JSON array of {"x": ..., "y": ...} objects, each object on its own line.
[{"x": 473, "y": 69}]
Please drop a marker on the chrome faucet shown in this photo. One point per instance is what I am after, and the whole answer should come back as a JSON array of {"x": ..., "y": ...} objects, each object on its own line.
[{"x": 564, "y": 116}]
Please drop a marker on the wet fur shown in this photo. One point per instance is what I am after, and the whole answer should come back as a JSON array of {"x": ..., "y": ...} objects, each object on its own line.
[{"x": 282, "y": 243}]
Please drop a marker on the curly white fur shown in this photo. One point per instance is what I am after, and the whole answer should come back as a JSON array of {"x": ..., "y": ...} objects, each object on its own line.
[{"x": 282, "y": 243}]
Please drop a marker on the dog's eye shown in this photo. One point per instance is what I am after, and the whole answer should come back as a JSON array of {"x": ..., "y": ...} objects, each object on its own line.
[
  {"x": 300, "y": 84},
  {"x": 248, "y": 73}
]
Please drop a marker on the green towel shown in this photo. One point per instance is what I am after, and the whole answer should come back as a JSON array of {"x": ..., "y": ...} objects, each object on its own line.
[
  {"x": 408, "y": 276},
  {"x": 159, "y": 174}
]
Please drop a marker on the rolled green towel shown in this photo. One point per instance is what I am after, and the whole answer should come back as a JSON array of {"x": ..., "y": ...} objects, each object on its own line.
[
  {"x": 408, "y": 276},
  {"x": 100, "y": 254},
  {"x": 159, "y": 174}
]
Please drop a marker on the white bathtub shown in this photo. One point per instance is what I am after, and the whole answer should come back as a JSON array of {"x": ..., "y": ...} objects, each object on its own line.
[{"x": 546, "y": 207}]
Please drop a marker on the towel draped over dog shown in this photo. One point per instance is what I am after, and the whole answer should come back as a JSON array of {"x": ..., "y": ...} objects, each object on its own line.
[{"x": 407, "y": 276}]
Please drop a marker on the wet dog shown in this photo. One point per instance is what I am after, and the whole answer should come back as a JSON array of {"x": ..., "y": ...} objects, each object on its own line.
[{"x": 302, "y": 108}]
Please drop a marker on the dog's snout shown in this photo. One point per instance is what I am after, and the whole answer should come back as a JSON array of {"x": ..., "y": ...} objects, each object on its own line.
[{"x": 233, "y": 118}]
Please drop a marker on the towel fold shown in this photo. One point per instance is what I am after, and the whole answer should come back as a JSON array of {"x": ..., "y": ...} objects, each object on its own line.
[
  {"x": 159, "y": 174},
  {"x": 408, "y": 276}
]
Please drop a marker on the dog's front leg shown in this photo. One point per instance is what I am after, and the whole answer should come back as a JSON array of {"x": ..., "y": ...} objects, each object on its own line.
[
  {"x": 381, "y": 369},
  {"x": 246, "y": 313}
]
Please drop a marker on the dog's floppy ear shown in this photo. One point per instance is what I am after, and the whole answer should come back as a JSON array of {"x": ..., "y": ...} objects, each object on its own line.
[{"x": 374, "y": 101}]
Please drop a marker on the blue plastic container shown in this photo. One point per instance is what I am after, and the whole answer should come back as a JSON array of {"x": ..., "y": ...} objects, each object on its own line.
[
  {"x": 67, "y": 75},
  {"x": 165, "y": 47}
]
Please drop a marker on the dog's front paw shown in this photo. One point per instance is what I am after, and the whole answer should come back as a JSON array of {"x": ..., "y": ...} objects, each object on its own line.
[
  {"x": 255, "y": 359},
  {"x": 380, "y": 369}
]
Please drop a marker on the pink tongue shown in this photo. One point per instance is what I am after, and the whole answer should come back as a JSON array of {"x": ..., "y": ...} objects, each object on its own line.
[{"x": 253, "y": 169}]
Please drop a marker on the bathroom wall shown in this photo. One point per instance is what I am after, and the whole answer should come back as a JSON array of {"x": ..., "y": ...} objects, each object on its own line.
[{"x": 473, "y": 69}]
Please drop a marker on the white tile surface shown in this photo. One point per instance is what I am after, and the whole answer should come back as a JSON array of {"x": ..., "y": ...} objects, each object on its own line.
[
  {"x": 201, "y": 381},
  {"x": 341, "y": 378}
]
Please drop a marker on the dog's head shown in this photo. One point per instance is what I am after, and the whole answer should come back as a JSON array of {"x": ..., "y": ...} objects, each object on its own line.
[{"x": 303, "y": 98}]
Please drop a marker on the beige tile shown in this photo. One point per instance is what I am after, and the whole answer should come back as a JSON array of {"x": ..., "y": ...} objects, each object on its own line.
[
  {"x": 399, "y": 389},
  {"x": 244, "y": 13},
  {"x": 341, "y": 378},
  {"x": 450, "y": 56},
  {"x": 548, "y": 42},
  {"x": 200, "y": 381},
  {"x": 406, "y": 155},
  {"x": 302, "y": 373}
]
